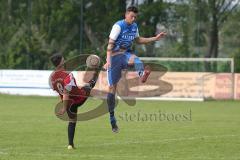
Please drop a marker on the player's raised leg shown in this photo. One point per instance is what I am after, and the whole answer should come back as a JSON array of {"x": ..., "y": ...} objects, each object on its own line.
[
  {"x": 72, "y": 112},
  {"x": 142, "y": 72}
]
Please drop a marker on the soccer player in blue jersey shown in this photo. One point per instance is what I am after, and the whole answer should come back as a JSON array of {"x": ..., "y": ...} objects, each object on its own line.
[{"x": 119, "y": 55}]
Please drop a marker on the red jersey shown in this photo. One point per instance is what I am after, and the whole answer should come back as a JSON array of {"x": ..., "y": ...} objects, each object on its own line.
[{"x": 60, "y": 80}]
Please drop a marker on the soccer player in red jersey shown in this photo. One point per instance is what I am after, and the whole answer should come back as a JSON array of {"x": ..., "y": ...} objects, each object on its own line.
[{"x": 72, "y": 96}]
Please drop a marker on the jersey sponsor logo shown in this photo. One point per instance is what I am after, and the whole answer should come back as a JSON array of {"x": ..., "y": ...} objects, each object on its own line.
[{"x": 128, "y": 37}]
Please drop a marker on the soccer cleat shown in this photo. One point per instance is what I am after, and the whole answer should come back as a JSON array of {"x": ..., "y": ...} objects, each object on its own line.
[
  {"x": 70, "y": 147},
  {"x": 89, "y": 86},
  {"x": 113, "y": 121},
  {"x": 147, "y": 71},
  {"x": 115, "y": 128},
  {"x": 92, "y": 83}
]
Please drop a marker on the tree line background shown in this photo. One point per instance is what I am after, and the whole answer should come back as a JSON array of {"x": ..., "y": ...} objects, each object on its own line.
[{"x": 30, "y": 30}]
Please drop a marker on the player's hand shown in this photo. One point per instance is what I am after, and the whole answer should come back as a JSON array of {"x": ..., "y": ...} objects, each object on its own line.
[
  {"x": 160, "y": 35},
  {"x": 107, "y": 65},
  {"x": 62, "y": 111}
]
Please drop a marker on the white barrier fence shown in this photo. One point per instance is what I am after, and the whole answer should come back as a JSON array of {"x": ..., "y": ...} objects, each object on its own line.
[
  {"x": 25, "y": 82},
  {"x": 184, "y": 85}
]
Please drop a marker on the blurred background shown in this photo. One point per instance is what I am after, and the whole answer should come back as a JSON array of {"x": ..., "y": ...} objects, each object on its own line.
[
  {"x": 30, "y": 30},
  {"x": 199, "y": 60}
]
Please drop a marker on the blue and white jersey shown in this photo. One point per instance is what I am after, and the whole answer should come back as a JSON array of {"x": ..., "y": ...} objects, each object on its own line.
[{"x": 123, "y": 34}]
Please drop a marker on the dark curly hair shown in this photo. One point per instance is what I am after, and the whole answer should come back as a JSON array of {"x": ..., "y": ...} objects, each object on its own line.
[
  {"x": 56, "y": 59},
  {"x": 132, "y": 9}
]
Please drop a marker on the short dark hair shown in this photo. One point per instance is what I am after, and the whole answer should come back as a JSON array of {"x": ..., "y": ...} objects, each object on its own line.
[
  {"x": 132, "y": 9},
  {"x": 56, "y": 59}
]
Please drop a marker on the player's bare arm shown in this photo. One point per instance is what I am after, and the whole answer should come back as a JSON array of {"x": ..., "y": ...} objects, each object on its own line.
[
  {"x": 109, "y": 53},
  {"x": 66, "y": 103},
  {"x": 143, "y": 40}
]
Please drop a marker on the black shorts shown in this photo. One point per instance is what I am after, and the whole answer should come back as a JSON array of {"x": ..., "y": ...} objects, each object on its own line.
[{"x": 72, "y": 111}]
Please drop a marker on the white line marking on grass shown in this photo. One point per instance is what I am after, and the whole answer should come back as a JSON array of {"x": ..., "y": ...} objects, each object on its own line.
[
  {"x": 164, "y": 140},
  {"x": 202, "y": 158},
  {"x": 122, "y": 156},
  {"x": 161, "y": 157},
  {"x": 80, "y": 156}
]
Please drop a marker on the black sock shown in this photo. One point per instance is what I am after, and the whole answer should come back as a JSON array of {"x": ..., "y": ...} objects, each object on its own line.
[
  {"x": 71, "y": 132},
  {"x": 111, "y": 114},
  {"x": 111, "y": 102}
]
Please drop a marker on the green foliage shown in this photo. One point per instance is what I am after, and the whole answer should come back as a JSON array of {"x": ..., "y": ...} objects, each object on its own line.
[
  {"x": 236, "y": 56},
  {"x": 31, "y": 30},
  {"x": 150, "y": 14}
]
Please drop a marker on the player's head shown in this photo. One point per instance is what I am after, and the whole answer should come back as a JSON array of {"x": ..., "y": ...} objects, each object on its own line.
[
  {"x": 131, "y": 14},
  {"x": 57, "y": 59}
]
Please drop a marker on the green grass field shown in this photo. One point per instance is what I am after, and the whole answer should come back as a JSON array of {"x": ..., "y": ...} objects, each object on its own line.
[{"x": 199, "y": 131}]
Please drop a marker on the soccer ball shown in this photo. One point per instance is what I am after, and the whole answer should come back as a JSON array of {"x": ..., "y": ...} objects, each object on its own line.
[{"x": 93, "y": 61}]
